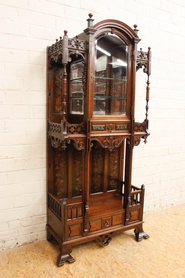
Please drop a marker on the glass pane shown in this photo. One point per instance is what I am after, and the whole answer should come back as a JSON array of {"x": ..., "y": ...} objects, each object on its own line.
[
  {"x": 76, "y": 88},
  {"x": 110, "y": 76}
]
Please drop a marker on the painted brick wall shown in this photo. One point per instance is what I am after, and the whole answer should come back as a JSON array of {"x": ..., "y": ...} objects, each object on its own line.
[{"x": 26, "y": 29}]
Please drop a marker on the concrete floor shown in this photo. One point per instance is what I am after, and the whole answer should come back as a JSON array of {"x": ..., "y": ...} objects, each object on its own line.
[{"x": 162, "y": 255}]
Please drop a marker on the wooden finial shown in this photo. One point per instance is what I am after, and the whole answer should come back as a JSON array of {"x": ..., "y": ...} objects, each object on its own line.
[
  {"x": 90, "y": 20},
  {"x": 135, "y": 28}
]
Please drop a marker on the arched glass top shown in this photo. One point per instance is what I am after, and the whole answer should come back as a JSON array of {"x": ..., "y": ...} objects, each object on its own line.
[{"x": 110, "y": 75}]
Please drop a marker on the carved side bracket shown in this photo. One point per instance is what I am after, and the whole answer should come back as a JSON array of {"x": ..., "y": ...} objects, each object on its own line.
[
  {"x": 62, "y": 134},
  {"x": 144, "y": 61},
  {"x": 56, "y": 133},
  {"x": 78, "y": 143},
  {"x": 140, "y": 132}
]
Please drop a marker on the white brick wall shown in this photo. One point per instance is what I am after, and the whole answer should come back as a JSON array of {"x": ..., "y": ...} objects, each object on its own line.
[{"x": 26, "y": 29}]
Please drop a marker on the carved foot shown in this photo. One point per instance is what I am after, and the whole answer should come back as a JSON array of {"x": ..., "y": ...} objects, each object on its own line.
[
  {"x": 104, "y": 240},
  {"x": 61, "y": 259},
  {"x": 140, "y": 234}
]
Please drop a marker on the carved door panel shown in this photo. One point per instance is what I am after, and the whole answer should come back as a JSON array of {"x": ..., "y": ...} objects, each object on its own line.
[
  {"x": 105, "y": 170},
  {"x": 68, "y": 173}
]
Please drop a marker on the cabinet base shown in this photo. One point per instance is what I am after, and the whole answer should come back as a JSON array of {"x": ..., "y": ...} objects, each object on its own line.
[{"x": 104, "y": 240}]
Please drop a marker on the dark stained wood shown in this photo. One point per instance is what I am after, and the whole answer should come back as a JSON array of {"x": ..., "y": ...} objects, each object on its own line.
[{"x": 92, "y": 133}]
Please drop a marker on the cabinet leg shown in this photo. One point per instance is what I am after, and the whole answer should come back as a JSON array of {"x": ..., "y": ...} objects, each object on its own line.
[
  {"x": 61, "y": 259},
  {"x": 65, "y": 256},
  {"x": 140, "y": 234}
]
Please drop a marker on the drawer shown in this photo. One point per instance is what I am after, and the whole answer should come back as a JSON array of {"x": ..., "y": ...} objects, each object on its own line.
[
  {"x": 118, "y": 219},
  {"x": 95, "y": 225},
  {"x": 73, "y": 229},
  {"x": 106, "y": 222}
]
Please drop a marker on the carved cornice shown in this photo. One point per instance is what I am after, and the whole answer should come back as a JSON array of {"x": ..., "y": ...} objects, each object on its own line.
[{"x": 75, "y": 46}]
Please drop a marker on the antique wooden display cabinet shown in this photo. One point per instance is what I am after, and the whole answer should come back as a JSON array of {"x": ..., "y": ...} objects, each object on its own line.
[{"x": 91, "y": 135}]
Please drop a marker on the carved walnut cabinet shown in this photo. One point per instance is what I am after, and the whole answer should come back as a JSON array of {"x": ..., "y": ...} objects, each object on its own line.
[{"x": 92, "y": 133}]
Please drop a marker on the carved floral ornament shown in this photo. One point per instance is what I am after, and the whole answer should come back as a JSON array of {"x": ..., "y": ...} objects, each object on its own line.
[
  {"x": 108, "y": 142},
  {"x": 65, "y": 47}
]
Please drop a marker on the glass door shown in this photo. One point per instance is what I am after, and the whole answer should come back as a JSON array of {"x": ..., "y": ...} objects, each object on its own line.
[{"x": 110, "y": 76}]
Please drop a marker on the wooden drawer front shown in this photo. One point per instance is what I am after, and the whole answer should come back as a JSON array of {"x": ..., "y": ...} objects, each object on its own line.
[
  {"x": 117, "y": 219},
  {"x": 134, "y": 215},
  {"x": 74, "y": 230},
  {"x": 106, "y": 222},
  {"x": 95, "y": 225}
]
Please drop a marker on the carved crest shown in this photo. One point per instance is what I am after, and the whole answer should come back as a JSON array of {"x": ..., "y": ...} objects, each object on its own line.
[{"x": 110, "y": 142}]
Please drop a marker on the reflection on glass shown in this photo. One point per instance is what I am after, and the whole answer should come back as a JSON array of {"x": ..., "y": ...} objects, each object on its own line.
[
  {"x": 76, "y": 88},
  {"x": 110, "y": 76}
]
